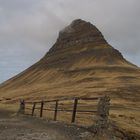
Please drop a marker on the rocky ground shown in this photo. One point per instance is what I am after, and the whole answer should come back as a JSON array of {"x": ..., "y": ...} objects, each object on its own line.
[
  {"x": 13, "y": 127},
  {"x": 26, "y": 128}
]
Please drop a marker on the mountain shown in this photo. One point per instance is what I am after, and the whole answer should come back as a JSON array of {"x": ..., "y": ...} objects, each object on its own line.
[
  {"x": 81, "y": 57},
  {"x": 81, "y": 63}
]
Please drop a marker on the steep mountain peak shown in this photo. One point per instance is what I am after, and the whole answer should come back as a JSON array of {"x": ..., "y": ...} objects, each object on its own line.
[
  {"x": 79, "y": 32},
  {"x": 81, "y": 44}
]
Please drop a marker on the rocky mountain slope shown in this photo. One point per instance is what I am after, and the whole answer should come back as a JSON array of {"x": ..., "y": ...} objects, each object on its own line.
[{"x": 81, "y": 63}]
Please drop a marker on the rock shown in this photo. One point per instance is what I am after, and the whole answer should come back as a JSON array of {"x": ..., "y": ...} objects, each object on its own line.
[
  {"x": 78, "y": 32},
  {"x": 102, "y": 121}
]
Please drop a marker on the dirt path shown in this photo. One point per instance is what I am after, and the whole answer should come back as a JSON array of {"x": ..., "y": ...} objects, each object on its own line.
[{"x": 27, "y": 128}]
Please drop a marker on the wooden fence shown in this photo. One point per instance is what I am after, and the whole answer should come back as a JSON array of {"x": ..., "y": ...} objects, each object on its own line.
[{"x": 75, "y": 103}]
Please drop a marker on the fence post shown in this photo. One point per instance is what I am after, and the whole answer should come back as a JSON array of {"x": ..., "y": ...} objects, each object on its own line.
[
  {"x": 55, "y": 113},
  {"x": 33, "y": 109},
  {"x": 22, "y": 107},
  {"x": 74, "y": 110},
  {"x": 41, "y": 109},
  {"x": 102, "y": 121}
]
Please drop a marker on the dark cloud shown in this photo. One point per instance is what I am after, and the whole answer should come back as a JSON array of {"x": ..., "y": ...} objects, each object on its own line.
[{"x": 28, "y": 28}]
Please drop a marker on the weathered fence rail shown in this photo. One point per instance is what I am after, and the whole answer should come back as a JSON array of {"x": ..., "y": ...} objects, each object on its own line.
[{"x": 75, "y": 102}]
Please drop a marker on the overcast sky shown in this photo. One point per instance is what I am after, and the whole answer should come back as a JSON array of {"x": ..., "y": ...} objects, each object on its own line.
[{"x": 28, "y": 28}]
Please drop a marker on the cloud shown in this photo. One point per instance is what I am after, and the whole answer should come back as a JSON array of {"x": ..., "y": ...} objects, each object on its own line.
[{"x": 28, "y": 28}]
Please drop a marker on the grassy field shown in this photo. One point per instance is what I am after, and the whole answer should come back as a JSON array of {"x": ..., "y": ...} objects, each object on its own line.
[{"x": 126, "y": 117}]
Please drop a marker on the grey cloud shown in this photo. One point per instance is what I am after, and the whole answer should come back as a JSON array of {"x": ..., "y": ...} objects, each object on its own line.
[{"x": 28, "y": 28}]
